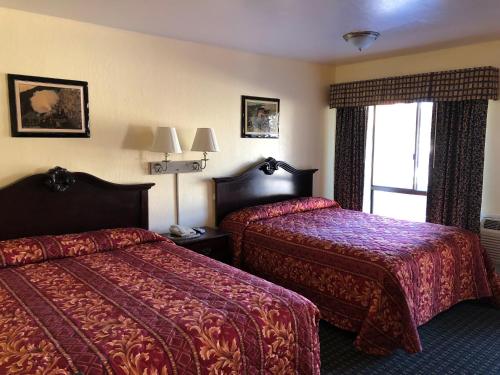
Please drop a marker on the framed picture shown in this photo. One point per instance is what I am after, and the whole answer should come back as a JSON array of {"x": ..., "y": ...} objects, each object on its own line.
[
  {"x": 260, "y": 117},
  {"x": 48, "y": 107}
]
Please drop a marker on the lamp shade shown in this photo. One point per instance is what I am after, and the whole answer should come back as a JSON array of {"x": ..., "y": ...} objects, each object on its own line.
[
  {"x": 166, "y": 141},
  {"x": 205, "y": 140}
]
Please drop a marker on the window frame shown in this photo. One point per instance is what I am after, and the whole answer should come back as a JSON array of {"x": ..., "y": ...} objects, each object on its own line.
[{"x": 416, "y": 160}]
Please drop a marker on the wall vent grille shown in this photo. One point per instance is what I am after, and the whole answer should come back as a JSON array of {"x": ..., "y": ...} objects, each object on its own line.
[{"x": 490, "y": 238}]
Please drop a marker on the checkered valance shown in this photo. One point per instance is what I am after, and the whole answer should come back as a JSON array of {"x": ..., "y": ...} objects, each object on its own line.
[{"x": 451, "y": 85}]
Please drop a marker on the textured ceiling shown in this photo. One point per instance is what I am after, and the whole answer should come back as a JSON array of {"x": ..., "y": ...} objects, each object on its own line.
[{"x": 303, "y": 29}]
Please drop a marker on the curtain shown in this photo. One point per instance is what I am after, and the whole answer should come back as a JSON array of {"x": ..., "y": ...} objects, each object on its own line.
[
  {"x": 456, "y": 169},
  {"x": 350, "y": 156}
]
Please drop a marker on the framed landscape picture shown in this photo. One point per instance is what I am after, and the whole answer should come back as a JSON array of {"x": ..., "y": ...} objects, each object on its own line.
[
  {"x": 260, "y": 117},
  {"x": 48, "y": 107}
]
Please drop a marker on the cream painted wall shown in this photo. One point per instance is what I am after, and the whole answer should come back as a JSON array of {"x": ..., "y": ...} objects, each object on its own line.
[
  {"x": 138, "y": 82},
  {"x": 483, "y": 54}
]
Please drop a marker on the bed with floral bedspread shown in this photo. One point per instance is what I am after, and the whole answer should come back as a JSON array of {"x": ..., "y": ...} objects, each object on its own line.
[
  {"x": 128, "y": 301},
  {"x": 376, "y": 276}
]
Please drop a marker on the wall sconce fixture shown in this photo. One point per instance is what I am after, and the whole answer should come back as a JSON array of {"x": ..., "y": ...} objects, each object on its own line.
[
  {"x": 205, "y": 141},
  {"x": 166, "y": 142}
]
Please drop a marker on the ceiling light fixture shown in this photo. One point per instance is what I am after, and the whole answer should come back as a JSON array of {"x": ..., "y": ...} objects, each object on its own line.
[{"x": 361, "y": 39}]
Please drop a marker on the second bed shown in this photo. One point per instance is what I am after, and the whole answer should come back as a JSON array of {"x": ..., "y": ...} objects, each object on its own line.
[{"x": 376, "y": 276}]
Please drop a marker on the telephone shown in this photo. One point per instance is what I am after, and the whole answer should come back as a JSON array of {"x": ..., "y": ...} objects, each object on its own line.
[{"x": 182, "y": 231}]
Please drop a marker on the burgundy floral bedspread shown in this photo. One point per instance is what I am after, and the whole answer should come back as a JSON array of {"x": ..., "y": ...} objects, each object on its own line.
[
  {"x": 373, "y": 275},
  {"x": 130, "y": 302}
]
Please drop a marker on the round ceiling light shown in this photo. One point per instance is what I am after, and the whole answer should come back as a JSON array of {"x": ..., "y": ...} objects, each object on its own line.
[{"x": 361, "y": 39}]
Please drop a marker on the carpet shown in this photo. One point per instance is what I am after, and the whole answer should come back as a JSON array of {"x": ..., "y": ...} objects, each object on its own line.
[{"x": 463, "y": 340}]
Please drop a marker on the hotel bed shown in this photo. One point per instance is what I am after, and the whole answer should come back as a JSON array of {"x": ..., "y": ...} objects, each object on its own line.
[
  {"x": 376, "y": 276},
  {"x": 127, "y": 300}
]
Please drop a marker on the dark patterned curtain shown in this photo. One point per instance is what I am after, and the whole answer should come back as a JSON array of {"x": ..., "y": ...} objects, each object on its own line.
[
  {"x": 456, "y": 170},
  {"x": 350, "y": 156}
]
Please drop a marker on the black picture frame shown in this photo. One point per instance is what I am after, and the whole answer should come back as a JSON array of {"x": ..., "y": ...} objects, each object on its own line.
[
  {"x": 70, "y": 119},
  {"x": 270, "y": 110}
]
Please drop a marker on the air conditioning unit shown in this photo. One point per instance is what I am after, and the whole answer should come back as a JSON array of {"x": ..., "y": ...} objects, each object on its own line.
[{"x": 490, "y": 238}]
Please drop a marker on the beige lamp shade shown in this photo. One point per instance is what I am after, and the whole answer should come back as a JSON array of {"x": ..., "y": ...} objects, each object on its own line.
[
  {"x": 205, "y": 140},
  {"x": 166, "y": 141}
]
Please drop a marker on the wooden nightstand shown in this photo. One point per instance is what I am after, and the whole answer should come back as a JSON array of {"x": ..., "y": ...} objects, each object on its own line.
[{"x": 214, "y": 243}]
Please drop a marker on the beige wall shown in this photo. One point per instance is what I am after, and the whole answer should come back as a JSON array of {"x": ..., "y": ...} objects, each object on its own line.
[
  {"x": 138, "y": 82},
  {"x": 454, "y": 58}
]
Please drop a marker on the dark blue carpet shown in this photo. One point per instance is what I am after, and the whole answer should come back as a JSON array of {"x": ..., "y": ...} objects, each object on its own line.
[{"x": 462, "y": 340}]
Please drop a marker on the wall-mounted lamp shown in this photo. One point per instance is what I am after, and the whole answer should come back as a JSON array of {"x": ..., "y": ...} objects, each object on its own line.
[
  {"x": 166, "y": 142},
  {"x": 205, "y": 141}
]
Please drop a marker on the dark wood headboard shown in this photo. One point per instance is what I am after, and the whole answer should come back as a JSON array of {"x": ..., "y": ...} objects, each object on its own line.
[
  {"x": 59, "y": 202},
  {"x": 266, "y": 182}
]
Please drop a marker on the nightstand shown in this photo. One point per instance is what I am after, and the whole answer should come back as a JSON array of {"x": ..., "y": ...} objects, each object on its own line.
[{"x": 214, "y": 243}]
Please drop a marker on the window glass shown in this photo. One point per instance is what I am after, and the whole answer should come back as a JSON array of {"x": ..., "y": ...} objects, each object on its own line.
[
  {"x": 394, "y": 145},
  {"x": 400, "y": 206}
]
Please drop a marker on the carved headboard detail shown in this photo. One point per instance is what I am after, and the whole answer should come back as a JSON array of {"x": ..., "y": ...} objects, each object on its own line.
[
  {"x": 59, "y": 201},
  {"x": 59, "y": 179},
  {"x": 266, "y": 182}
]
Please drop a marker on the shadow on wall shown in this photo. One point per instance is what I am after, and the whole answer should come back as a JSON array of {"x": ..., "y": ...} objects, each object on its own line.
[
  {"x": 211, "y": 201},
  {"x": 139, "y": 138}
]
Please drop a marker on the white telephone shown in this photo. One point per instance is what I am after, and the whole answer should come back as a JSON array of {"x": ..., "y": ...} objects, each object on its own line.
[{"x": 182, "y": 231}]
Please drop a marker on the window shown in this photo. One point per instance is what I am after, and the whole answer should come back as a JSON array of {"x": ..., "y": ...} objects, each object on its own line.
[{"x": 397, "y": 160}]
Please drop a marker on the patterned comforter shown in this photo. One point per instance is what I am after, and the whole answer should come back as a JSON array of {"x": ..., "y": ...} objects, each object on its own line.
[
  {"x": 128, "y": 301},
  {"x": 368, "y": 274}
]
